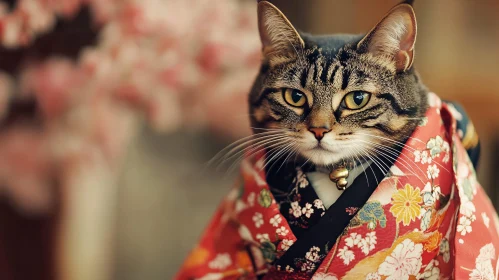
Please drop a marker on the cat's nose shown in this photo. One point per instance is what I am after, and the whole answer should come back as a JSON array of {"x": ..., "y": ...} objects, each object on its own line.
[{"x": 319, "y": 132}]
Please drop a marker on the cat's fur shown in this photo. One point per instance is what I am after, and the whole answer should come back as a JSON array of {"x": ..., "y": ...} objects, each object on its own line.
[{"x": 325, "y": 69}]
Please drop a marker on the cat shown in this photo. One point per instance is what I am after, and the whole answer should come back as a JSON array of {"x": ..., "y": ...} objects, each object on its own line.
[
  {"x": 323, "y": 110},
  {"x": 336, "y": 97}
]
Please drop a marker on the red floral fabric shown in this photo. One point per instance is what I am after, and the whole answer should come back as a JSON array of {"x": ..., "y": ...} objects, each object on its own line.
[{"x": 428, "y": 218}]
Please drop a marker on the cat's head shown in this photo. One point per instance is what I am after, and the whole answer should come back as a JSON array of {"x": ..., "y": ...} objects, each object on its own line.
[{"x": 329, "y": 98}]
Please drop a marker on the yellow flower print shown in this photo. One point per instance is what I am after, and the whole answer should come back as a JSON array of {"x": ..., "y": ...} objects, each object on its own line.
[{"x": 406, "y": 204}]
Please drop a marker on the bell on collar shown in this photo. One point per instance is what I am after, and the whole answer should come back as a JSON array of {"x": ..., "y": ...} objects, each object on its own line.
[{"x": 339, "y": 177}]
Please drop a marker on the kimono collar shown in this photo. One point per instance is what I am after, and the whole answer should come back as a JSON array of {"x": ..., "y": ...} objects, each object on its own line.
[{"x": 311, "y": 223}]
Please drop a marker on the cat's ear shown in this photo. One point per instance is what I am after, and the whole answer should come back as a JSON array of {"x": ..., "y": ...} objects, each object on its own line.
[
  {"x": 280, "y": 40},
  {"x": 393, "y": 37}
]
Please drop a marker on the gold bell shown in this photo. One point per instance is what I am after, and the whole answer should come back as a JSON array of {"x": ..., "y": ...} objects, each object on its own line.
[
  {"x": 339, "y": 176},
  {"x": 342, "y": 184}
]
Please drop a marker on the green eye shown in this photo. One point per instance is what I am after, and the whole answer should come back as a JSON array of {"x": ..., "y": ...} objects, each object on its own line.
[
  {"x": 356, "y": 99},
  {"x": 294, "y": 97}
]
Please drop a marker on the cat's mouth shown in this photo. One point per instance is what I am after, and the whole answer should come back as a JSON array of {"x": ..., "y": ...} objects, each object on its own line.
[
  {"x": 323, "y": 153},
  {"x": 320, "y": 147}
]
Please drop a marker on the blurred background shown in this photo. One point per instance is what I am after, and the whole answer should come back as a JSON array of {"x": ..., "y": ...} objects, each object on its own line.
[{"x": 111, "y": 109}]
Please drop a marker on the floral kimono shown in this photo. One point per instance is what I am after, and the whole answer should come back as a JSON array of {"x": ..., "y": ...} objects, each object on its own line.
[{"x": 422, "y": 215}]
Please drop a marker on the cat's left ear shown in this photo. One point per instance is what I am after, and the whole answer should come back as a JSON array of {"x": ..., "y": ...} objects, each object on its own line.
[
  {"x": 280, "y": 40},
  {"x": 393, "y": 37}
]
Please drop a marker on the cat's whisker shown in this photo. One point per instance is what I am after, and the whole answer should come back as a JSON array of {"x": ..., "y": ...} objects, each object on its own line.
[
  {"x": 256, "y": 149},
  {"x": 274, "y": 155},
  {"x": 403, "y": 162},
  {"x": 305, "y": 163},
  {"x": 250, "y": 145},
  {"x": 350, "y": 152},
  {"x": 252, "y": 137},
  {"x": 260, "y": 148},
  {"x": 271, "y": 129},
  {"x": 399, "y": 143},
  {"x": 366, "y": 160},
  {"x": 293, "y": 151},
  {"x": 370, "y": 165},
  {"x": 285, "y": 151},
  {"x": 238, "y": 142},
  {"x": 257, "y": 142},
  {"x": 366, "y": 157},
  {"x": 403, "y": 145},
  {"x": 409, "y": 160},
  {"x": 395, "y": 155},
  {"x": 394, "y": 158},
  {"x": 374, "y": 161},
  {"x": 383, "y": 165}
]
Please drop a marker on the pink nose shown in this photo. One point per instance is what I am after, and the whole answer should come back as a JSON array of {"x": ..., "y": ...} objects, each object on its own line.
[{"x": 319, "y": 132}]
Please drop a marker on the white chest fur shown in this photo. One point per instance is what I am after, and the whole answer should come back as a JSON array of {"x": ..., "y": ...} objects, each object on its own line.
[{"x": 326, "y": 189}]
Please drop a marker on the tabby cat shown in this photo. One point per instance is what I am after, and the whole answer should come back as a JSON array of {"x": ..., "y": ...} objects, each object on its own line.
[
  {"x": 327, "y": 109},
  {"x": 328, "y": 99}
]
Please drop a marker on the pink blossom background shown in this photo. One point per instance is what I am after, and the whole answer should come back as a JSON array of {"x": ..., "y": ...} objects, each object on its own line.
[{"x": 169, "y": 64}]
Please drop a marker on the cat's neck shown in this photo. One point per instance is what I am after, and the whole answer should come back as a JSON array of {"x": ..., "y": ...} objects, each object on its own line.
[{"x": 326, "y": 189}]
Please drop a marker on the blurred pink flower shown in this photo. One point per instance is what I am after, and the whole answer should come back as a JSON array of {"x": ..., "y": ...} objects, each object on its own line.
[
  {"x": 170, "y": 63},
  {"x": 53, "y": 83},
  {"x": 26, "y": 168}
]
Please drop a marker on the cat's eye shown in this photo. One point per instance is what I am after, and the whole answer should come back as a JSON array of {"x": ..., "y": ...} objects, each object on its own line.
[
  {"x": 356, "y": 99},
  {"x": 294, "y": 97}
]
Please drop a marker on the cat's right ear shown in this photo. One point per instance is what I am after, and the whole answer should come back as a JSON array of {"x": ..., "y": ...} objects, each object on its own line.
[
  {"x": 393, "y": 37},
  {"x": 280, "y": 40}
]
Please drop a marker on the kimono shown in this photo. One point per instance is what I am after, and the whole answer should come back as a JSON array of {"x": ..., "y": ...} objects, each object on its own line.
[{"x": 421, "y": 215}]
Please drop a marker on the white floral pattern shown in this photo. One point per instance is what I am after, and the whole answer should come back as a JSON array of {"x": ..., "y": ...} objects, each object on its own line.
[
  {"x": 404, "y": 261},
  {"x": 434, "y": 148},
  {"x": 308, "y": 266},
  {"x": 295, "y": 209},
  {"x": 300, "y": 179},
  {"x": 368, "y": 243},
  {"x": 353, "y": 240},
  {"x": 425, "y": 158},
  {"x": 258, "y": 219},
  {"x": 483, "y": 264},
  {"x": 445, "y": 250},
  {"x": 286, "y": 243},
  {"x": 482, "y": 271},
  {"x": 313, "y": 254},
  {"x": 464, "y": 225},
  {"x": 251, "y": 198},
  {"x": 487, "y": 253},
  {"x": 276, "y": 220},
  {"x": 221, "y": 261},
  {"x": 431, "y": 271},
  {"x": 433, "y": 171},
  {"x": 282, "y": 231},
  {"x": 486, "y": 219},
  {"x": 307, "y": 210},
  {"x": 319, "y": 205},
  {"x": 417, "y": 155},
  {"x": 467, "y": 209},
  {"x": 346, "y": 255}
]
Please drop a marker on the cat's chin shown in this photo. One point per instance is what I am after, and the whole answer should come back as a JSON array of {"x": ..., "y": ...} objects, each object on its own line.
[{"x": 321, "y": 156}]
